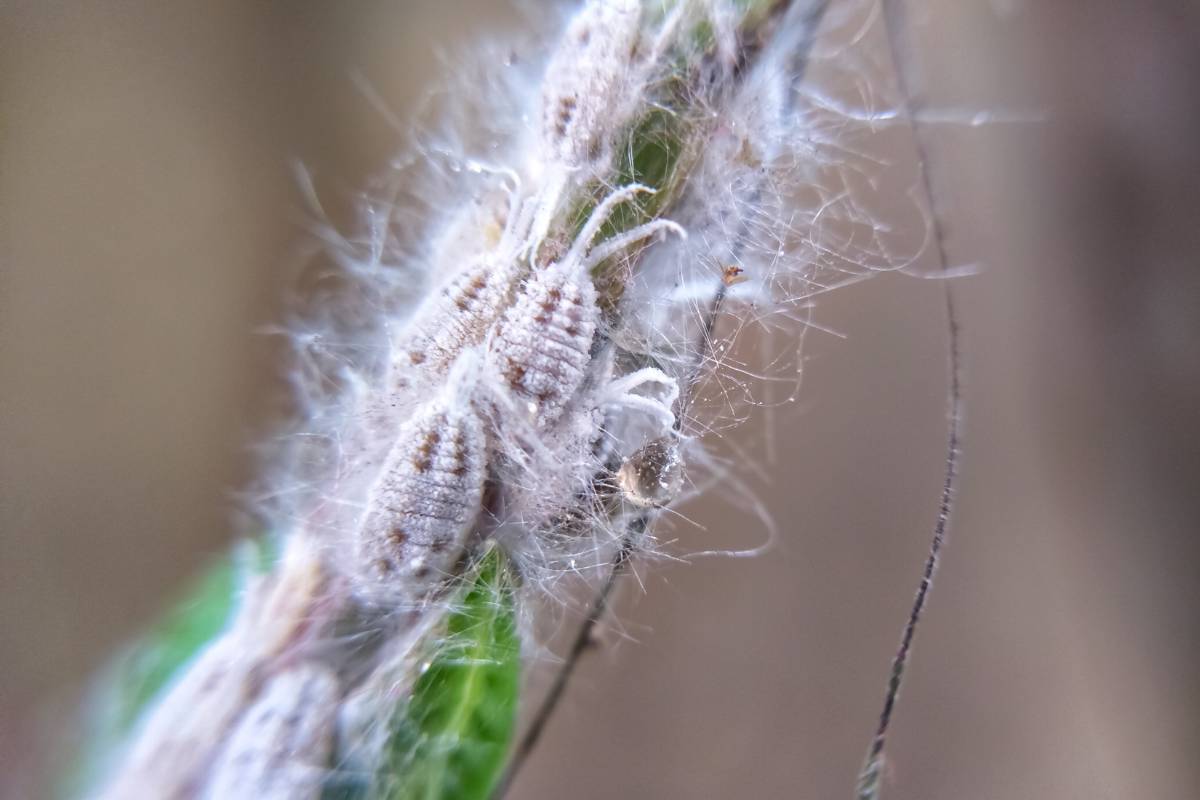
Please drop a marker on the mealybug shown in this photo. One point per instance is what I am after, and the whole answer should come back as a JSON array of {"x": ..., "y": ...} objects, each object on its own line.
[
  {"x": 280, "y": 748},
  {"x": 424, "y": 504}
]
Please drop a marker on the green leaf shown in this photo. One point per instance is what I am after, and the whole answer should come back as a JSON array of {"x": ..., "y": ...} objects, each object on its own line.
[
  {"x": 135, "y": 678},
  {"x": 451, "y": 740}
]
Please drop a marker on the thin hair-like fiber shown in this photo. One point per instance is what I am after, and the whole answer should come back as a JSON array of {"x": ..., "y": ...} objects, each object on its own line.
[{"x": 869, "y": 781}]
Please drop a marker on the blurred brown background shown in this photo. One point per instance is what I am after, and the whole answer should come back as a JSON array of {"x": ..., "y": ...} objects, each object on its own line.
[{"x": 149, "y": 223}]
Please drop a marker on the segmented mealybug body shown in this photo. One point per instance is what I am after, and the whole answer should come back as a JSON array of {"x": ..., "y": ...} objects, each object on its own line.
[
  {"x": 456, "y": 317},
  {"x": 280, "y": 748},
  {"x": 586, "y": 80},
  {"x": 176, "y": 742},
  {"x": 424, "y": 504},
  {"x": 542, "y": 346}
]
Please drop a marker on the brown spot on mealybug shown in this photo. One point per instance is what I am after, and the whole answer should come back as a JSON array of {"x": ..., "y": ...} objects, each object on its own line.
[
  {"x": 424, "y": 456},
  {"x": 460, "y": 456},
  {"x": 566, "y": 110},
  {"x": 423, "y": 506},
  {"x": 515, "y": 373},
  {"x": 471, "y": 291}
]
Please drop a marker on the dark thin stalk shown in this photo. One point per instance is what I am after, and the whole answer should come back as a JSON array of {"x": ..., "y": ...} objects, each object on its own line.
[
  {"x": 869, "y": 780},
  {"x": 583, "y": 640}
]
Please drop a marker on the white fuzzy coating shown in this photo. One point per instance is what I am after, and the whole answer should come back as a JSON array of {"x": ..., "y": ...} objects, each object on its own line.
[
  {"x": 557, "y": 485},
  {"x": 591, "y": 429},
  {"x": 176, "y": 744},
  {"x": 455, "y": 317},
  {"x": 280, "y": 748},
  {"x": 588, "y": 79},
  {"x": 542, "y": 347},
  {"x": 544, "y": 475},
  {"x": 424, "y": 504}
]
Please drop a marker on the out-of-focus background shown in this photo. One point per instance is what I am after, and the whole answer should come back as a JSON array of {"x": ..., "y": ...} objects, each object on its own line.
[{"x": 149, "y": 223}]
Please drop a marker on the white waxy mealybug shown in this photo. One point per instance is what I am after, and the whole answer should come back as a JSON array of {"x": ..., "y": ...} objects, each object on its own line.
[
  {"x": 176, "y": 743},
  {"x": 458, "y": 316},
  {"x": 541, "y": 481},
  {"x": 541, "y": 348},
  {"x": 586, "y": 81},
  {"x": 424, "y": 504},
  {"x": 279, "y": 616},
  {"x": 280, "y": 748},
  {"x": 588, "y": 94}
]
